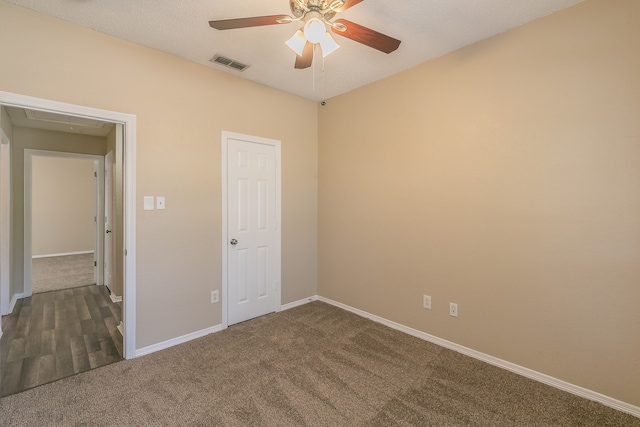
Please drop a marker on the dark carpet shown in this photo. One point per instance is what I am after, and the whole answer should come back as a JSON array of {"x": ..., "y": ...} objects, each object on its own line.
[{"x": 314, "y": 365}]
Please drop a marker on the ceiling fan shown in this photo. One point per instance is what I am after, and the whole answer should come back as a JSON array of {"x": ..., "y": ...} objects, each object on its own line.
[{"x": 316, "y": 15}]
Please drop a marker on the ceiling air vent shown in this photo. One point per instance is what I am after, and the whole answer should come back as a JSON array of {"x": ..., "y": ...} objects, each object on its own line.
[{"x": 228, "y": 62}]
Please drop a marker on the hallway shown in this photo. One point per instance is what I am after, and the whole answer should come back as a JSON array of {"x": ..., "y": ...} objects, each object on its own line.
[{"x": 56, "y": 334}]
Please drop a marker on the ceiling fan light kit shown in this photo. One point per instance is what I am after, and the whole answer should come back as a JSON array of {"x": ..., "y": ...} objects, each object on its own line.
[
  {"x": 328, "y": 45},
  {"x": 296, "y": 42},
  {"x": 316, "y": 15},
  {"x": 314, "y": 30}
]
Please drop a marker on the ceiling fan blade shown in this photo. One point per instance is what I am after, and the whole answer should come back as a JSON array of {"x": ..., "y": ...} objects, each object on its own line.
[
  {"x": 257, "y": 21},
  {"x": 306, "y": 59},
  {"x": 367, "y": 36},
  {"x": 348, "y": 4}
]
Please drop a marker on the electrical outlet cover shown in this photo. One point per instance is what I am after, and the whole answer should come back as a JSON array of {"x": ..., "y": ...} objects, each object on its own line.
[
  {"x": 426, "y": 302},
  {"x": 453, "y": 309}
]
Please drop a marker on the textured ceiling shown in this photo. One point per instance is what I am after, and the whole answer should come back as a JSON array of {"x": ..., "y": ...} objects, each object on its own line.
[{"x": 427, "y": 28}]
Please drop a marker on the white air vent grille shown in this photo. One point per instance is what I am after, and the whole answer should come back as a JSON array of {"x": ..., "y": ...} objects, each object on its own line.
[{"x": 228, "y": 62}]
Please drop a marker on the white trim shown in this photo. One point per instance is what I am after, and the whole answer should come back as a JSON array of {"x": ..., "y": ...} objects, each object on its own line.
[
  {"x": 129, "y": 148},
  {"x": 178, "y": 340},
  {"x": 108, "y": 168},
  {"x": 225, "y": 234},
  {"x": 120, "y": 328},
  {"x": 129, "y": 202},
  {"x": 298, "y": 303},
  {"x": 520, "y": 370},
  {"x": 62, "y": 254},
  {"x": 14, "y": 300},
  {"x": 5, "y": 224},
  {"x": 114, "y": 299},
  {"x": 98, "y": 235},
  {"x": 28, "y": 195},
  {"x": 225, "y": 238},
  {"x": 198, "y": 334}
]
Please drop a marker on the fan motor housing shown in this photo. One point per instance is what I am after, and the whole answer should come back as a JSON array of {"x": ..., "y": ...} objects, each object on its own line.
[{"x": 312, "y": 5}]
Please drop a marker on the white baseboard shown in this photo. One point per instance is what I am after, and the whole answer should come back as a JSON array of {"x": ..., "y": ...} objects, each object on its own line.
[
  {"x": 525, "y": 372},
  {"x": 178, "y": 340},
  {"x": 62, "y": 254},
  {"x": 114, "y": 298},
  {"x": 14, "y": 300},
  {"x": 298, "y": 303},
  {"x": 120, "y": 328},
  {"x": 188, "y": 337}
]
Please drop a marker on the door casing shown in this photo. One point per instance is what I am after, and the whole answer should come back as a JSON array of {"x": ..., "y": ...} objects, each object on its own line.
[
  {"x": 28, "y": 229},
  {"x": 108, "y": 221},
  {"x": 5, "y": 223},
  {"x": 129, "y": 146}
]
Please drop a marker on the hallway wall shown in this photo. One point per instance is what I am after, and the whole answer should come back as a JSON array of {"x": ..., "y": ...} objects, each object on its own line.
[{"x": 63, "y": 205}]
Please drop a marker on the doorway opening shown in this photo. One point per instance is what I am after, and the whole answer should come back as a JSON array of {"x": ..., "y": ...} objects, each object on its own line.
[
  {"x": 77, "y": 115},
  {"x": 64, "y": 239}
]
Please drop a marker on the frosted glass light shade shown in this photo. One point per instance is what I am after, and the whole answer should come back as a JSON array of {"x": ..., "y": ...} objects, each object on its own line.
[
  {"x": 297, "y": 42},
  {"x": 314, "y": 30},
  {"x": 328, "y": 44}
]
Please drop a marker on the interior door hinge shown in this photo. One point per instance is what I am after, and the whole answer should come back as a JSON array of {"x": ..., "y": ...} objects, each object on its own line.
[
  {"x": 95, "y": 263},
  {"x": 95, "y": 174}
]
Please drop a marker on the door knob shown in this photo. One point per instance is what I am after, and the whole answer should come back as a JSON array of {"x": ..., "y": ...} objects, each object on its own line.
[
  {"x": 233, "y": 242},
  {"x": 108, "y": 231}
]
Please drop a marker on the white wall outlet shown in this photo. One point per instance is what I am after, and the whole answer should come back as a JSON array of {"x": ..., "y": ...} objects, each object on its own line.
[
  {"x": 426, "y": 302},
  {"x": 453, "y": 309},
  {"x": 215, "y": 297}
]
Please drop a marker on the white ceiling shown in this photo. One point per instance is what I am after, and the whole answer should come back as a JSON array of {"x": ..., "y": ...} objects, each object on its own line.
[{"x": 427, "y": 28}]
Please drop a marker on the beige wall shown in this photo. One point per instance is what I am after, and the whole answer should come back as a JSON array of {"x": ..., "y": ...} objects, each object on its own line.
[
  {"x": 181, "y": 110},
  {"x": 63, "y": 200},
  {"x": 504, "y": 177}
]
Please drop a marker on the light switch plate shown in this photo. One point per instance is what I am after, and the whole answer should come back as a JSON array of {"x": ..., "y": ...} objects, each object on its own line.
[
  {"x": 148, "y": 203},
  {"x": 159, "y": 202}
]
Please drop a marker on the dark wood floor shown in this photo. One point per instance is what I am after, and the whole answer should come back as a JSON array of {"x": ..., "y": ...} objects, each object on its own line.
[{"x": 57, "y": 334}]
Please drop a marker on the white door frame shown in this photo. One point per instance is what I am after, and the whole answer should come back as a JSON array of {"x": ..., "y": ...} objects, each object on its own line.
[
  {"x": 97, "y": 243},
  {"x": 28, "y": 217},
  {"x": 226, "y": 136},
  {"x": 129, "y": 146},
  {"x": 5, "y": 223},
  {"x": 107, "y": 215}
]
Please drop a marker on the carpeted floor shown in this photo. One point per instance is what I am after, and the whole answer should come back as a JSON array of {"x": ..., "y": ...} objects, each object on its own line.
[
  {"x": 314, "y": 365},
  {"x": 62, "y": 272}
]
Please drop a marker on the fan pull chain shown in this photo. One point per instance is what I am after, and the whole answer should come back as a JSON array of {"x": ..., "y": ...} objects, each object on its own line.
[
  {"x": 323, "y": 84},
  {"x": 313, "y": 63}
]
